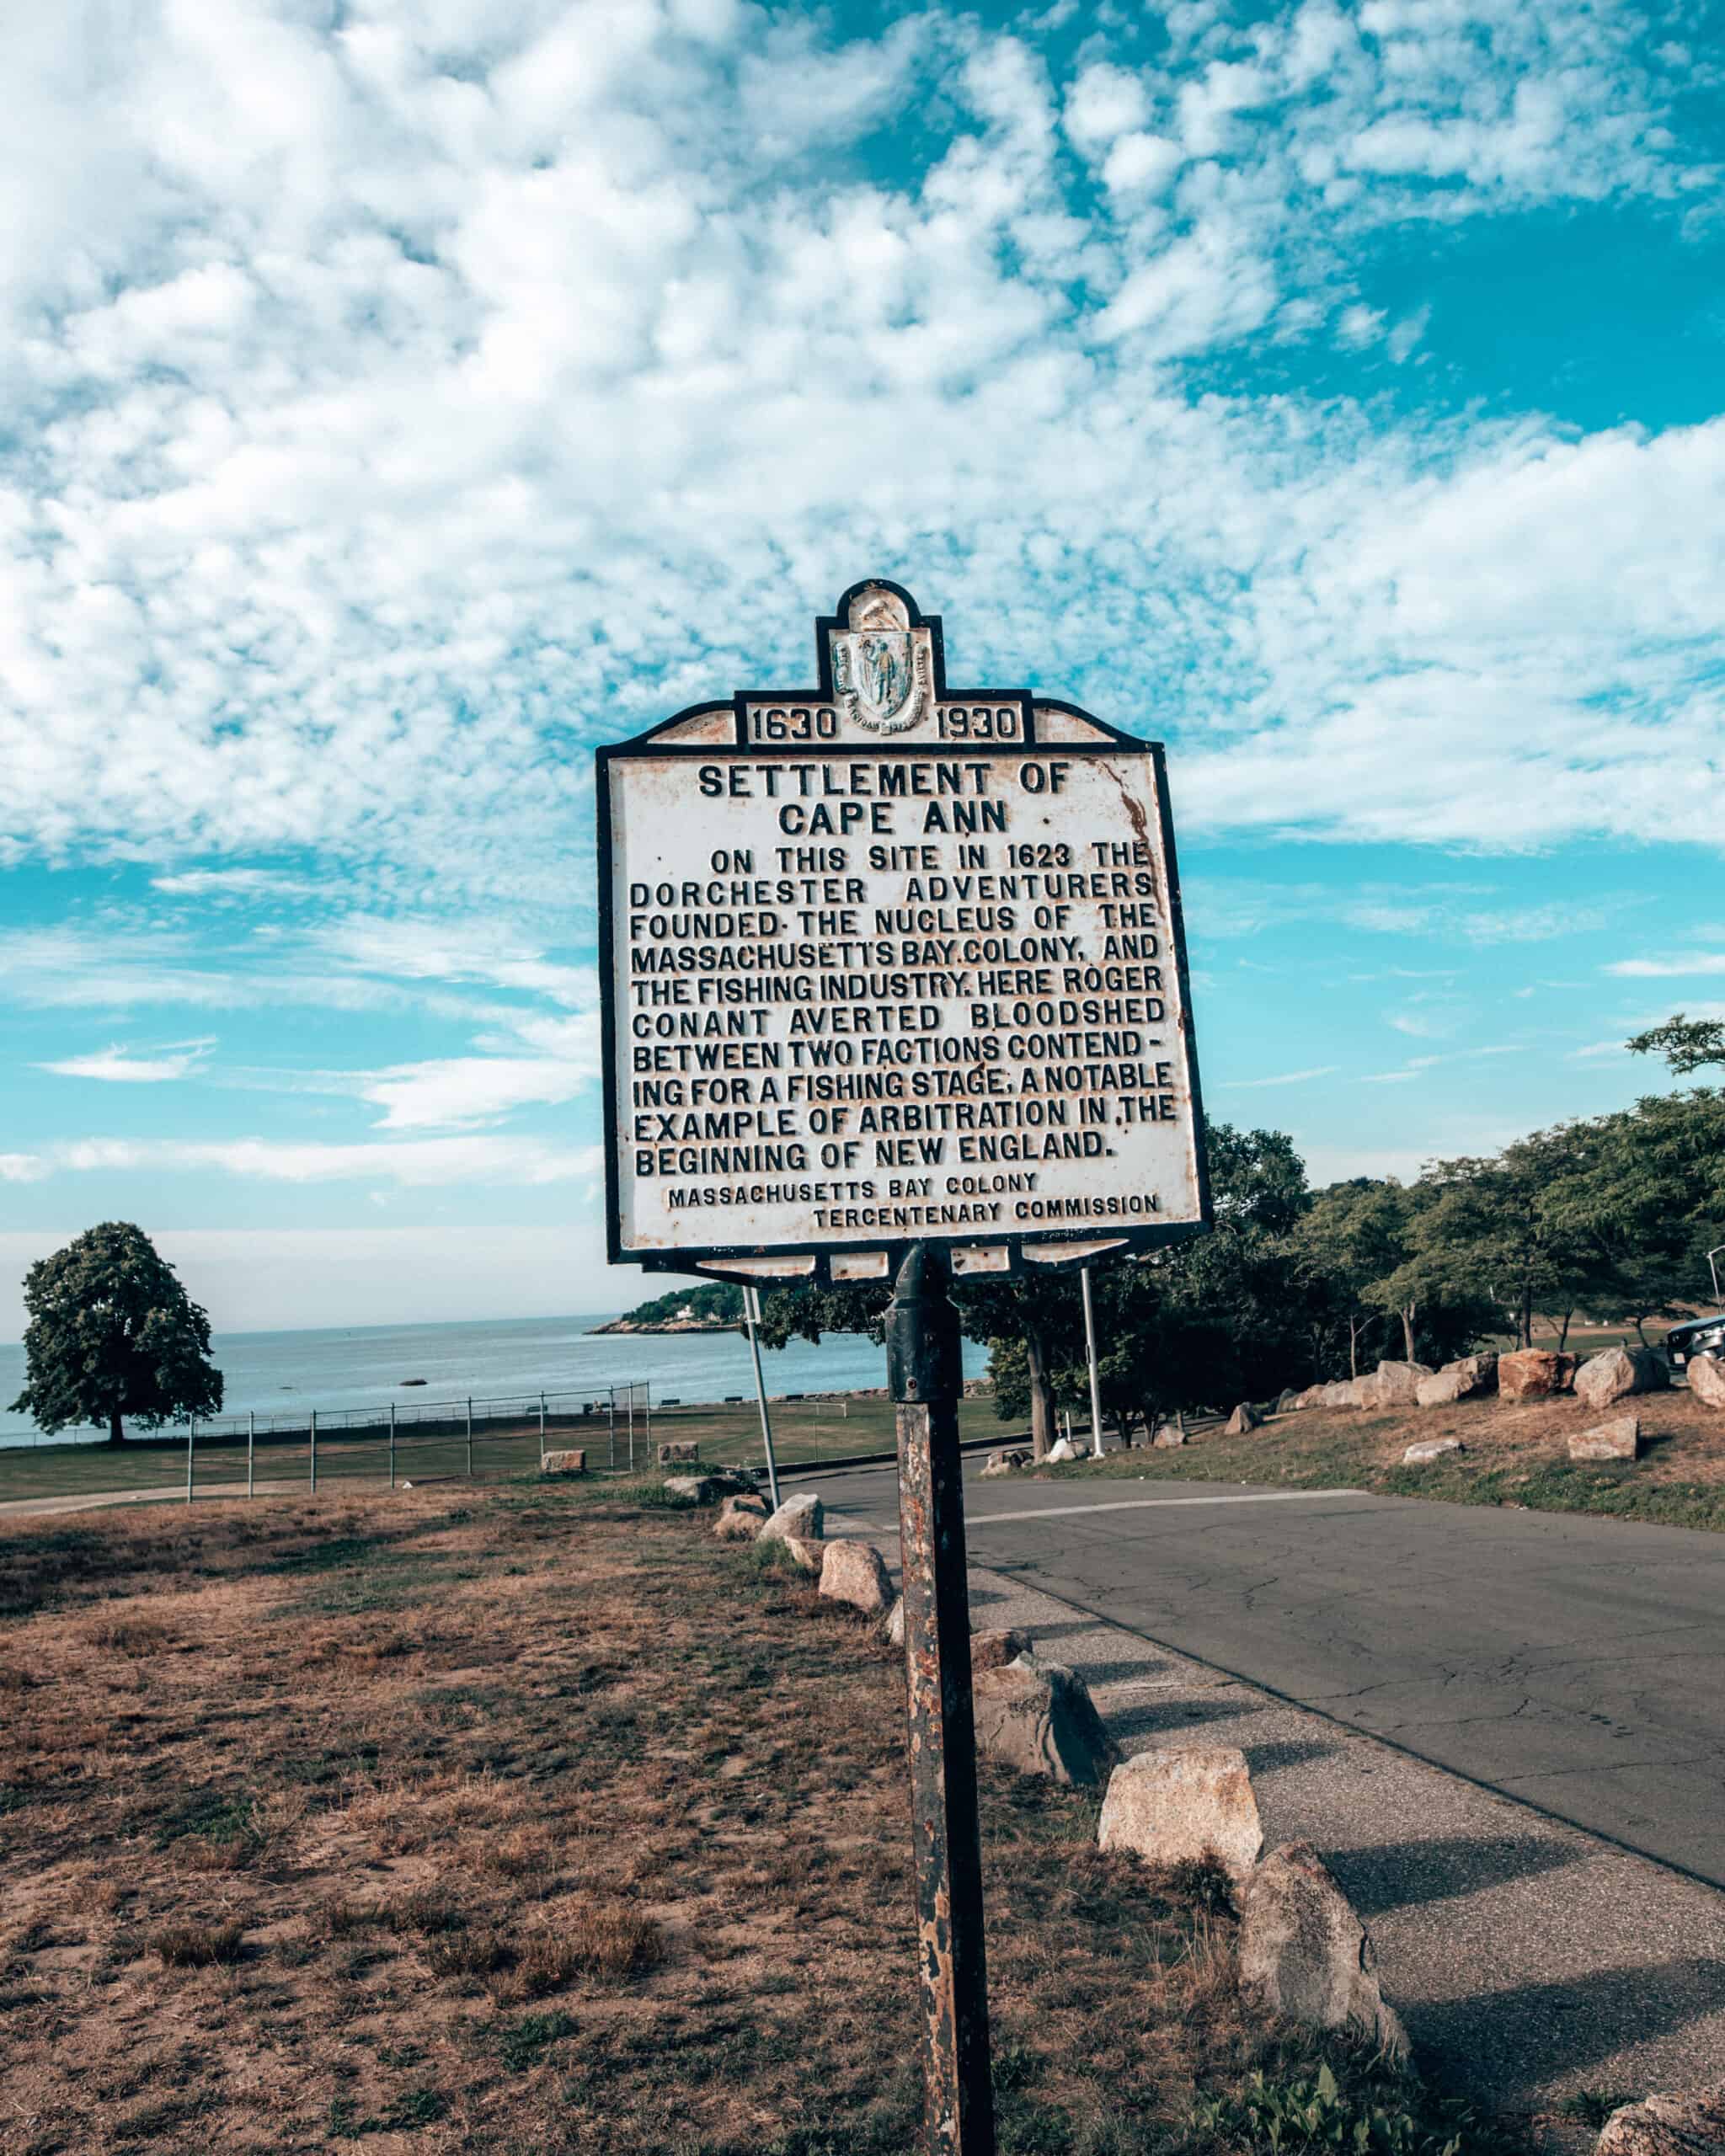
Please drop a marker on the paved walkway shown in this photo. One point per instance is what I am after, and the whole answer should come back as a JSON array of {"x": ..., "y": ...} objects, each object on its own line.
[{"x": 1532, "y": 1960}]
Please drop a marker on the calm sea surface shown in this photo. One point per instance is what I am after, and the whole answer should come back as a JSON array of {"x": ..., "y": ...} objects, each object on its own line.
[{"x": 357, "y": 1366}]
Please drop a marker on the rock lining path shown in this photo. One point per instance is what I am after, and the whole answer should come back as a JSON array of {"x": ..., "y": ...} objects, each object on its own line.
[{"x": 1531, "y": 1961}]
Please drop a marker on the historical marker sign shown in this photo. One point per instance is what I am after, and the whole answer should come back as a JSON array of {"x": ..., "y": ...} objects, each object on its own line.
[{"x": 886, "y": 962}]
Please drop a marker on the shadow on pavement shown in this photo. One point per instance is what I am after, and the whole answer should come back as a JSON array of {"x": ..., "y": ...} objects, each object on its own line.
[
  {"x": 1404, "y": 1875},
  {"x": 1498, "y": 2041}
]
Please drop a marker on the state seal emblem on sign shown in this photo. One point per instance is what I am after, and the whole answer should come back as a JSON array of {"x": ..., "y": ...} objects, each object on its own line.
[{"x": 881, "y": 670}]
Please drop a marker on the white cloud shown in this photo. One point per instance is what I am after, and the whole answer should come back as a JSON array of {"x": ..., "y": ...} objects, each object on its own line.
[
  {"x": 115, "y": 1065},
  {"x": 412, "y": 1163},
  {"x": 233, "y": 883},
  {"x": 1679, "y": 965},
  {"x": 1282, "y": 1078},
  {"x": 459, "y": 1089},
  {"x": 513, "y": 402},
  {"x": 1104, "y": 103}
]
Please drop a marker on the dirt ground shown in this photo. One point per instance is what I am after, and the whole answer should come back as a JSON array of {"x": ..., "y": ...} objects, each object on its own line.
[
  {"x": 1514, "y": 1454},
  {"x": 509, "y": 1820}
]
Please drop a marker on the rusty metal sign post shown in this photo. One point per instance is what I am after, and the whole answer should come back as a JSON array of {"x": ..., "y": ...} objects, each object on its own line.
[
  {"x": 894, "y": 986},
  {"x": 926, "y": 1379}
]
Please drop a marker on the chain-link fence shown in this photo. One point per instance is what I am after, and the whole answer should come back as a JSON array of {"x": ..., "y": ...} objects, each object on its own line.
[{"x": 623, "y": 1429}]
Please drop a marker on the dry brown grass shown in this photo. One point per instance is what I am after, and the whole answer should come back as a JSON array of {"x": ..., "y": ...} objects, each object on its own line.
[{"x": 508, "y": 1823}]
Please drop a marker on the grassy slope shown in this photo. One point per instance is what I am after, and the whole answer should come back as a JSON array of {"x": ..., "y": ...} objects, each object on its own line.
[
  {"x": 530, "y": 1821},
  {"x": 1514, "y": 1454}
]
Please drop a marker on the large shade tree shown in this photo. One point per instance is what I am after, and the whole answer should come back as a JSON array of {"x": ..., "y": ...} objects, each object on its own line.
[{"x": 114, "y": 1336}]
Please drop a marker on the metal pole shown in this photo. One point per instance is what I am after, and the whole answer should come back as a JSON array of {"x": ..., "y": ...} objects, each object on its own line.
[
  {"x": 925, "y": 1377},
  {"x": 314, "y": 1448},
  {"x": 1089, "y": 1351},
  {"x": 647, "y": 1411},
  {"x": 631, "y": 1413},
  {"x": 470, "y": 1437},
  {"x": 541, "y": 1433},
  {"x": 611, "y": 1407},
  {"x": 392, "y": 1444},
  {"x": 251, "y": 1448},
  {"x": 191, "y": 1440},
  {"x": 751, "y": 1317}
]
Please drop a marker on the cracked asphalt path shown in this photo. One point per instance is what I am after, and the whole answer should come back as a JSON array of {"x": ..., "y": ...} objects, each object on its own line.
[
  {"x": 1578, "y": 1664},
  {"x": 1511, "y": 1659}
]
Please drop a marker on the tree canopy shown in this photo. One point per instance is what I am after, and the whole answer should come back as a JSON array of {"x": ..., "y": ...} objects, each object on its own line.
[
  {"x": 1610, "y": 1215},
  {"x": 112, "y": 1335}
]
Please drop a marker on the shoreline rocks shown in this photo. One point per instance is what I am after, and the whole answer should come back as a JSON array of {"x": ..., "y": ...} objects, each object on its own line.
[
  {"x": 1535, "y": 1373},
  {"x": 1617, "y": 1439},
  {"x": 1394, "y": 1384},
  {"x": 1619, "y": 1373},
  {"x": 803, "y": 1516},
  {"x": 1706, "y": 1381},
  {"x": 1038, "y": 1716},
  {"x": 1305, "y": 1956},
  {"x": 851, "y": 1571},
  {"x": 1430, "y": 1448},
  {"x": 1177, "y": 1803},
  {"x": 1691, "y": 2125}
]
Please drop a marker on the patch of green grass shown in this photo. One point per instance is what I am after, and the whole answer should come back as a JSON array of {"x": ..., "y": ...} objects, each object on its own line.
[
  {"x": 1593, "y": 2106},
  {"x": 523, "y": 2043},
  {"x": 210, "y": 1815},
  {"x": 1382, "y": 2114}
]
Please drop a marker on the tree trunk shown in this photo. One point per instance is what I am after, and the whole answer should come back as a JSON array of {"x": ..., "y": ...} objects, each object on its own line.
[
  {"x": 1639, "y": 1334},
  {"x": 1353, "y": 1348},
  {"x": 1407, "y": 1329},
  {"x": 1525, "y": 1321},
  {"x": 1042, "y": 1395},
  {"x": 1563, "y": 1331},
  {"x": 116, "y": 1435}
]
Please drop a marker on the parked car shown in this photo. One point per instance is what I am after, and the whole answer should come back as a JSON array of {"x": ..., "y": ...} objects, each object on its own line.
[{"x": 1697, "y": 1336}]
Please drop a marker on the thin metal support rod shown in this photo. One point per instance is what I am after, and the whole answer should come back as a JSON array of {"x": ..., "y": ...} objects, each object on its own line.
[
  {"x": 470, "y": 1438},
  {"x": 631, "y": 1413},
  {"x": 392, "y": 1444},
  {"x": 925, "y": 1378},
  {"x": 191, "y": 1440},
  {"x": 751, "y": 1317},
  {"x": 314, "y": 1448},
  {"x": 251, "y": 1451},
  {"x": 541, "y": 1433},
  {"x": 1089, "y": 1353}
]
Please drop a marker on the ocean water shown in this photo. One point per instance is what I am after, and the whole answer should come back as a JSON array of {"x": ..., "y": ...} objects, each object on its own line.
[{"x": 360, "y": 1366}]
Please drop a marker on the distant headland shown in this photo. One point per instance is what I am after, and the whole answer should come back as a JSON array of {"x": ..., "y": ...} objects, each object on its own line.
[{"x": 712, "y": 1309}]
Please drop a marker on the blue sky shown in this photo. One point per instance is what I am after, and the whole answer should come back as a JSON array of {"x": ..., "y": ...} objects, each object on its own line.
[{"x": 399, "y": 401}]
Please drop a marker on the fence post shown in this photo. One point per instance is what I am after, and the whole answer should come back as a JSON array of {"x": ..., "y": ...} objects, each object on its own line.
[
  {"x": 251, "y": 1448},
  {"x": 631, "y": 1425},
  {"x": 191, "y": 1440},
  {"x": 470, "y": 1437},
  {"x": 541, "y": 1433},
  {"x": 392, "y": 1444},
  {"x": 314, "y": 1448},
  {"x": 610, "y": 1410},
  {"x": 646, "y": 1410}
]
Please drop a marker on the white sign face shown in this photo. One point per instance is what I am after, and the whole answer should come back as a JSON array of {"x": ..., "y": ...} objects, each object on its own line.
[{"x": 886, "y": 963}]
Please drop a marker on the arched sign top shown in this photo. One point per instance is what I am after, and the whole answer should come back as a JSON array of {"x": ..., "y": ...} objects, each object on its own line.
[{"x": 883, "y": 961}]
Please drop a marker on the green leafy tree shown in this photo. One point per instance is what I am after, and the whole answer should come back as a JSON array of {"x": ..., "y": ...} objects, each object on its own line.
[
  {"x": 112, "y": 1334},
  {"x": 1354, "y": 1235},
  {"x": 1483, "y": 1229},
  {"x": 1643, "y": 1196},
  {"x": 1686, "y": 1043}
]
